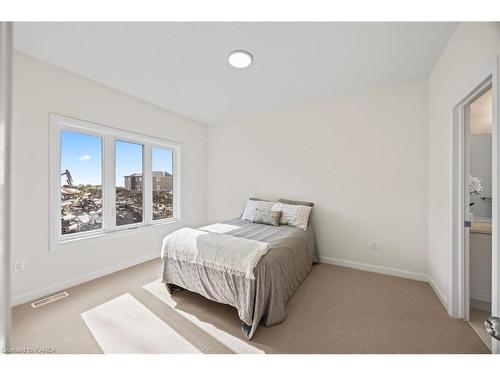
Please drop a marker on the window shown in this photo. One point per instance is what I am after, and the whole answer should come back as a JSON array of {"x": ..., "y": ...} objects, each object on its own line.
[
  {"x": 129, "y": 199},
  {"x": 81, "y": 182},
  {"x": 106, "y": 180},
  {"x": 162, "y": 194}
]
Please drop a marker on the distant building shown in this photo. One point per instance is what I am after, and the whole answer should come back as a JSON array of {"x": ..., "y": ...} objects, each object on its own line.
[{"x": 162, "y": 181}]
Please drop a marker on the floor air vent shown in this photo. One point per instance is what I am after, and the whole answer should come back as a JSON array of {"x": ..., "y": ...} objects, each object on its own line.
[{"x": 49, "y": 299}]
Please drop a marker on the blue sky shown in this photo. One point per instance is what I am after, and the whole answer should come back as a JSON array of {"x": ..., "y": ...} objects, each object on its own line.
[
  {"x": 81, "y": 155},
  {"x": 162, "y": 160}
]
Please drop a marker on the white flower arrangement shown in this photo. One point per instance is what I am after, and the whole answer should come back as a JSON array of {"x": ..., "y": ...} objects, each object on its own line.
[{"x": 475, "y": 186}]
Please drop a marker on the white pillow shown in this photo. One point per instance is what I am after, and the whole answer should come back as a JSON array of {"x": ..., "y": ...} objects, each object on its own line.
[
  {"x": 252, "y": 205},
  {"x": 294, "y": 215}
]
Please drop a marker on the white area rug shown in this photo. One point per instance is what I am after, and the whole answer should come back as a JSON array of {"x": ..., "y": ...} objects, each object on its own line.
[
  {"x": 124, "y": 325},
  {"x": 157, "y": 289}
]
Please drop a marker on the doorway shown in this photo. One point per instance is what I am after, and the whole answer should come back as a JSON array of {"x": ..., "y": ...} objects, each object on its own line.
[
  {"x": 478, "y": 209},
  {"x": 465, "y": 191}
]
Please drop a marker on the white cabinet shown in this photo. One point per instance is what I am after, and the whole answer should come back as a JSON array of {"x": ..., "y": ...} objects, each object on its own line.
[{"x": 480, "y": 268}]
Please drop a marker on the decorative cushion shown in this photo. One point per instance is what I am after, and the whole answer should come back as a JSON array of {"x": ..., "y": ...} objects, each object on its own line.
[
  {"x": 296, "y": 203},
  {"x": 254, "y": 199},
  {"x": 268, "y": 217},
  {"x": 294, "y": 215},
  {"x": 252, "y": 204}
]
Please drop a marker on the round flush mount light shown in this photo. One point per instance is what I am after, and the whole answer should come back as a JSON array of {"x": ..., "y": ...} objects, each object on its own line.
[{"x": 240, "y": 59}]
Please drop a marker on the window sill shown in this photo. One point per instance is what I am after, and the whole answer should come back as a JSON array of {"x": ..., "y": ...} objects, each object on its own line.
[{"x": 119, "y": 232}]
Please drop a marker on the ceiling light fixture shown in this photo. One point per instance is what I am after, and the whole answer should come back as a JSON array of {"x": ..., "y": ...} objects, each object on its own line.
[{"x": 240, "y": 59}]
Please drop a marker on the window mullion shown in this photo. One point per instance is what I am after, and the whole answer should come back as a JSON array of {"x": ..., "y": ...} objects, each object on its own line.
[
  {"x": 176, "y": 184},
  {"x": 148, "y": 185},
  {"x": 109, "y": 191}
]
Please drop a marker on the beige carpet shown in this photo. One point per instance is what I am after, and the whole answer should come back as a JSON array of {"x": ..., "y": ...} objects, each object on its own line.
[
  {"x": 125, "y": 326},
  {"x": 234, "y": 343},
  {"x": 335, "y": 310}
]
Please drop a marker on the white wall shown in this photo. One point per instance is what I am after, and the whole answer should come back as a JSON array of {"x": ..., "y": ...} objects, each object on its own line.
[
  {"x": 467, "y": 60},
  {"x": 40, "y": 89},
  {"x": 361, "y": 158},
  {"x": 5, "y": 127}
]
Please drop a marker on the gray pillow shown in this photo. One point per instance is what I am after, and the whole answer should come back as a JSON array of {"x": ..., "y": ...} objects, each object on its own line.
[
  {"x": 267, "y": 217},
  {"x": 296, "y": 203},
  {"x": 254, "y": 199}
]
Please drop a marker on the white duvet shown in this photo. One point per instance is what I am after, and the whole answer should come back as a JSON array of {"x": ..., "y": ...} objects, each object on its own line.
[{"x": 210, "y": 248}]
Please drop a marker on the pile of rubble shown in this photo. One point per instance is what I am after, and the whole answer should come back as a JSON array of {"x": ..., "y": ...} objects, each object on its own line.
[
  {"x": 81, "y": 208},
  {"x": 128, "y": 206},
  {"x": 163, "y": 207}
]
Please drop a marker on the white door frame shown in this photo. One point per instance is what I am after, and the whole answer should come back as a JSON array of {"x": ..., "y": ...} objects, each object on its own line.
[
  {"x": 5, "y": 131},
  {"x": 458, "y": 293},
  {"x": 495, "y": 256}
]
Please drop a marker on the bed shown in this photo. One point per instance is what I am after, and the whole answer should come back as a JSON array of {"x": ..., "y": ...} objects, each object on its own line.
[{"x": 262, "y": 298}]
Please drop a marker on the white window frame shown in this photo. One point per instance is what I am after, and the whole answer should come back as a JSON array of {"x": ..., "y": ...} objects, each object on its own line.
[
  {"x": 128, "y": 140},
  {"x": 108, "y": 135},
  {"x": 175, "y": 176}
]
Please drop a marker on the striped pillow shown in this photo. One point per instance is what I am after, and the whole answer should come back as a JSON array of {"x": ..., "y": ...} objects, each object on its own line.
[{"x": 296, "y": 216}]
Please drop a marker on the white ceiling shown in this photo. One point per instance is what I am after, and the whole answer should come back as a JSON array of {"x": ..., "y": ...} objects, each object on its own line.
[{"x": 183, "y": 66}]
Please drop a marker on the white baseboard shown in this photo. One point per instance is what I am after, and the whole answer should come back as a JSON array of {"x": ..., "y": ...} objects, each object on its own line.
[
  {"x": 42, "y": 292},
  {"x": 377, "y": 269},
  {"x": 438, "y": 293}
]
